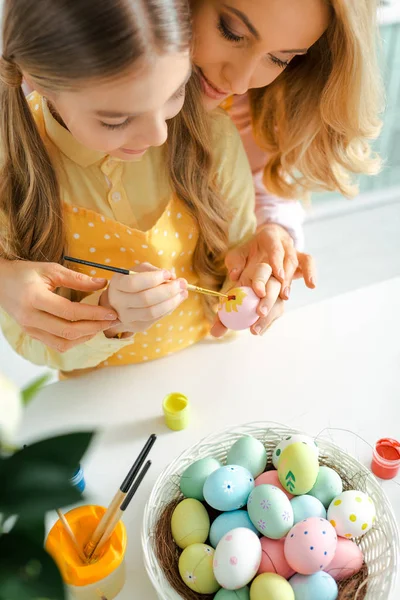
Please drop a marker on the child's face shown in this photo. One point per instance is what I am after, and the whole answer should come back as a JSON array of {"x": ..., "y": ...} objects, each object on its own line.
[
  {"x": 245, "y": 44},
  {"x": 126, "y": 116}
]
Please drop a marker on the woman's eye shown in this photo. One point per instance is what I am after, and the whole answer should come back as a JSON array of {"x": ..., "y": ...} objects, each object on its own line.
[
  {"x": 228, "y": 33},
  {"x": 115, "y": 126},
  {"x": 281, "y": 63}
]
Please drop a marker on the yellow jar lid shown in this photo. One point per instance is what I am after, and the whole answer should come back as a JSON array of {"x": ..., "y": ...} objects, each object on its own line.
[{"x": 83, "y": 521}]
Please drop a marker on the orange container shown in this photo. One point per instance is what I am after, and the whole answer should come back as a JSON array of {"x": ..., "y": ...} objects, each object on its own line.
[
  {"x": 386, "y": 458},
  {"x": 106, "y": 577}
]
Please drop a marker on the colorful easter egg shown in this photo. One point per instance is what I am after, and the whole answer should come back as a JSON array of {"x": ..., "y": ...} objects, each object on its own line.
[
  {"x": 319, "y": 586},
  {"x": 327, "y": 487},
  {"x": 347, "y": 561},
  {"x": 249, "y": 453},
  {"x": 292, "y": 439},
  {"x": 298, "y": 468},
  {"x": 196, "y": 569},
  {"x": 228, "y": 487},
  {"x": 310, "y": 546},
  {"x": 190, "y": 523},
  {"x": 305, "y": 507},
  {"x": 239, "y": 311},
  {"x": 352, "y": 513},
  {"x": 242, "y": 594},
  {"x": 270, "y": 586},
  {"x": 273, "y": 558},
  {"x": 194, "y": 477},
  {"x": 270, "y": 511},
  {"x": 271, "y": 478},
  {"x": 237, "y": 558},
  {"x": 228, "y": 521}
]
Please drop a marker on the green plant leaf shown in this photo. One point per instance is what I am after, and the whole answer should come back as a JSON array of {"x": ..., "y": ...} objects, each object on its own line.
[
  {"x": 32, "y": 389},
  {"x": 27, "y": 571},
  {"x": 34, "y": 529}
]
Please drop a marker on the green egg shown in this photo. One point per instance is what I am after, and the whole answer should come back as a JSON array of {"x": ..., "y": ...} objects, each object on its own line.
[
  {"x": 298, "y": 468},
  {"x": 327, "y": 487},
  {"x": 190, "y": 523},
  {"x": 270, "y": 586},
  {"x": 242, "y": 594},
  {"x": 194, "y": 477},
  {"x": 248, "y": 453},
  {"x": 196, "y": 569}
]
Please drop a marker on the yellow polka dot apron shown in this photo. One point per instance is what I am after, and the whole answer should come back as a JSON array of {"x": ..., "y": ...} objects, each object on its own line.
[{"x": 170, "y": 244}]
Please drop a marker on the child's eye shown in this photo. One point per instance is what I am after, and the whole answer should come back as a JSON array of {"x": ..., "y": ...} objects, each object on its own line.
[
  {"x": 281, "y": 63},
  {"x": 228, "y": 33},
  {"x": 115, "y": 126},
  {"x": 179, "y": 93}
]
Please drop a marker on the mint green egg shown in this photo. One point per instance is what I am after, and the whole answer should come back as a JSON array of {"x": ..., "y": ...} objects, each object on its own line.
[
  {"x": 194, "y": 477},
  {"x": 196, "y": 569},
  {"x": 248, "y": 453},
  {"x": 242, "y": 594},
  {"x": 327, "y": 487}
]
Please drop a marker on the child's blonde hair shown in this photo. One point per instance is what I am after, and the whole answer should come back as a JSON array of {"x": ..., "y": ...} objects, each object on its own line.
[
  {"x": 61, "y": 44},
  {"x": 318, "y": 117}
]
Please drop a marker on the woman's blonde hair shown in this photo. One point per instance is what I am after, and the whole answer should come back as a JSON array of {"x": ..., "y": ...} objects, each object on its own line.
[
  {"x": 318, "y": 117},
  {"x": 60, "y": 44}
]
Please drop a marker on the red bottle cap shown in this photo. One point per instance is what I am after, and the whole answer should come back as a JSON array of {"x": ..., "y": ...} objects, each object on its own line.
[{"x": 386, "y": 458}]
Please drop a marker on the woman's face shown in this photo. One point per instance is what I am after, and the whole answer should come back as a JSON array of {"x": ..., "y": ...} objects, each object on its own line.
[
  {"x": 245, "y": 44},
  {"x": 126, "y": 116}
]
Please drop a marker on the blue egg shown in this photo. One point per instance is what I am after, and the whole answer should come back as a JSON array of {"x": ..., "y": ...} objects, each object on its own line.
[
  {"x": 228, "y": 488},
  {"x": 305, "y": 507},
  {"x": 319, "y": 586},
  {"x": 228, "y": 521}
]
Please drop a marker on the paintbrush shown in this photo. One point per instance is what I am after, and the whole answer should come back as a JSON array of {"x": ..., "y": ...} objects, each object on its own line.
[
  {"x": 119, "y": 514},
  {"x": 190, "y": 287},
  {"x": 71, "y": 535},
  {"x": 119, "y": 497}
]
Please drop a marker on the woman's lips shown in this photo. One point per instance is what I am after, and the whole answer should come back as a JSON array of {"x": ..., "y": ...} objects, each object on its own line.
[{"x": 210, "y": 90}]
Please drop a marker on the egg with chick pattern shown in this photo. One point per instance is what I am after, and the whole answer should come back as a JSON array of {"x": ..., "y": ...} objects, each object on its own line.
[{"x": 239, "y": 310}]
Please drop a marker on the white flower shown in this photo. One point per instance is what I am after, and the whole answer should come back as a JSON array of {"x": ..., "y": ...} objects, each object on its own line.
[
  {"x": 10, "y": 410},
  {"x": 228, "y": 487}
]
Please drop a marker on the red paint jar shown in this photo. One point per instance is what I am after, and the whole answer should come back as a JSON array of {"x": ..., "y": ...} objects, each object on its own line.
[{"x": 386, "y": 458}]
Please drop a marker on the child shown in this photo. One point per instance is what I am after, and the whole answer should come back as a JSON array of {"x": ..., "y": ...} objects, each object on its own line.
[{"x": 85, "y": 170}]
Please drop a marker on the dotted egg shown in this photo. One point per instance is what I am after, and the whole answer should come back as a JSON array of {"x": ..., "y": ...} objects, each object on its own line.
[
  {"x": 310, "y": 546},
  {"x": 292, "y": 439},
  {"x": 239, "y": 311},
  {"x": 352, "y": 514}
]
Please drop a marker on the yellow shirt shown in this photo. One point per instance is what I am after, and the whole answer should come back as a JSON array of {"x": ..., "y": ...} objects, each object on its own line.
[{"x": 124, "y": 213}]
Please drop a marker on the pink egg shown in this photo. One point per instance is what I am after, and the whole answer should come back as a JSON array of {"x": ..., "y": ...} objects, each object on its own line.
[
  {"x": 271, "y": 477},
  {"x": 273, "y": 558},
  {"x": 241, "y": 311},
  {"x": 347, "y": 561},
  {"x": 310, "y": 546}
]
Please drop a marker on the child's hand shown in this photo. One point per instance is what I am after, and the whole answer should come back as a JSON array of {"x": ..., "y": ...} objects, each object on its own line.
[{"x": 141, "y": 300}]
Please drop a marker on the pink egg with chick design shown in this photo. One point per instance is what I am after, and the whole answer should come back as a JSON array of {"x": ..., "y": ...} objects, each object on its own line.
[{"x": 239, "y": 310}]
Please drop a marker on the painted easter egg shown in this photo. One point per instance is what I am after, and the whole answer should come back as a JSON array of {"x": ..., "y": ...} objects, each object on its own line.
[
  {"x": 319, "y": 586},
  {"x": 242, "y": 594},
  {"x": 196, "y": 569},
  {"x": 298, "y": 468},
  {"x": 271, "y": 478},
  {"x": 305, "y": 507},
  {"x": 292, "y": 439},
  {"x": 194, "y": 477},
  {"x": 190, "y": 523},
  {"x": 270, "y": 511},
  {"x": 228, "y": 521},
  {"x": 237, "y": 558},
  {"x": 249, "y": 453},
  {"x": 272, "y": 587},
  {"x": 239, "y": 311},
  {"x": 228, "y": 487},
  {"x": 273, "y": 558},
  {"x": 310, "y": 546},
  {"x": 352, "y": 513},
  {"x": 327, "y": 487},
  {"x": 347, "y": 561}
]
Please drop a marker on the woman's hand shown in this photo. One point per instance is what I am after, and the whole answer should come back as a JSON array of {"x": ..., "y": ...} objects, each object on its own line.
[
  {"x": 270, "y": 252},
  {"x": 27, "y": 295},
  {"x": 270, "y": 308},
  {"x": 143, "y": 299}
]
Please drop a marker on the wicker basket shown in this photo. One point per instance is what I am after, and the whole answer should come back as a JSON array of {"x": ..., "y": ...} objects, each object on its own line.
[{"x": 380, "y": 545}]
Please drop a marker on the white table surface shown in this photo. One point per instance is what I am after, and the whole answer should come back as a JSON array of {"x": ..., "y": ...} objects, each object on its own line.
[{"x": 334, "y": 364}]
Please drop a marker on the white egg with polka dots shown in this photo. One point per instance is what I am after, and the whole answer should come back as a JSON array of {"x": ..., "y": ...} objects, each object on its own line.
[
  {"x": 237, "y": 558},
  {"x": 288, "y": 441},
  {"x": 352, "y": 514}
]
